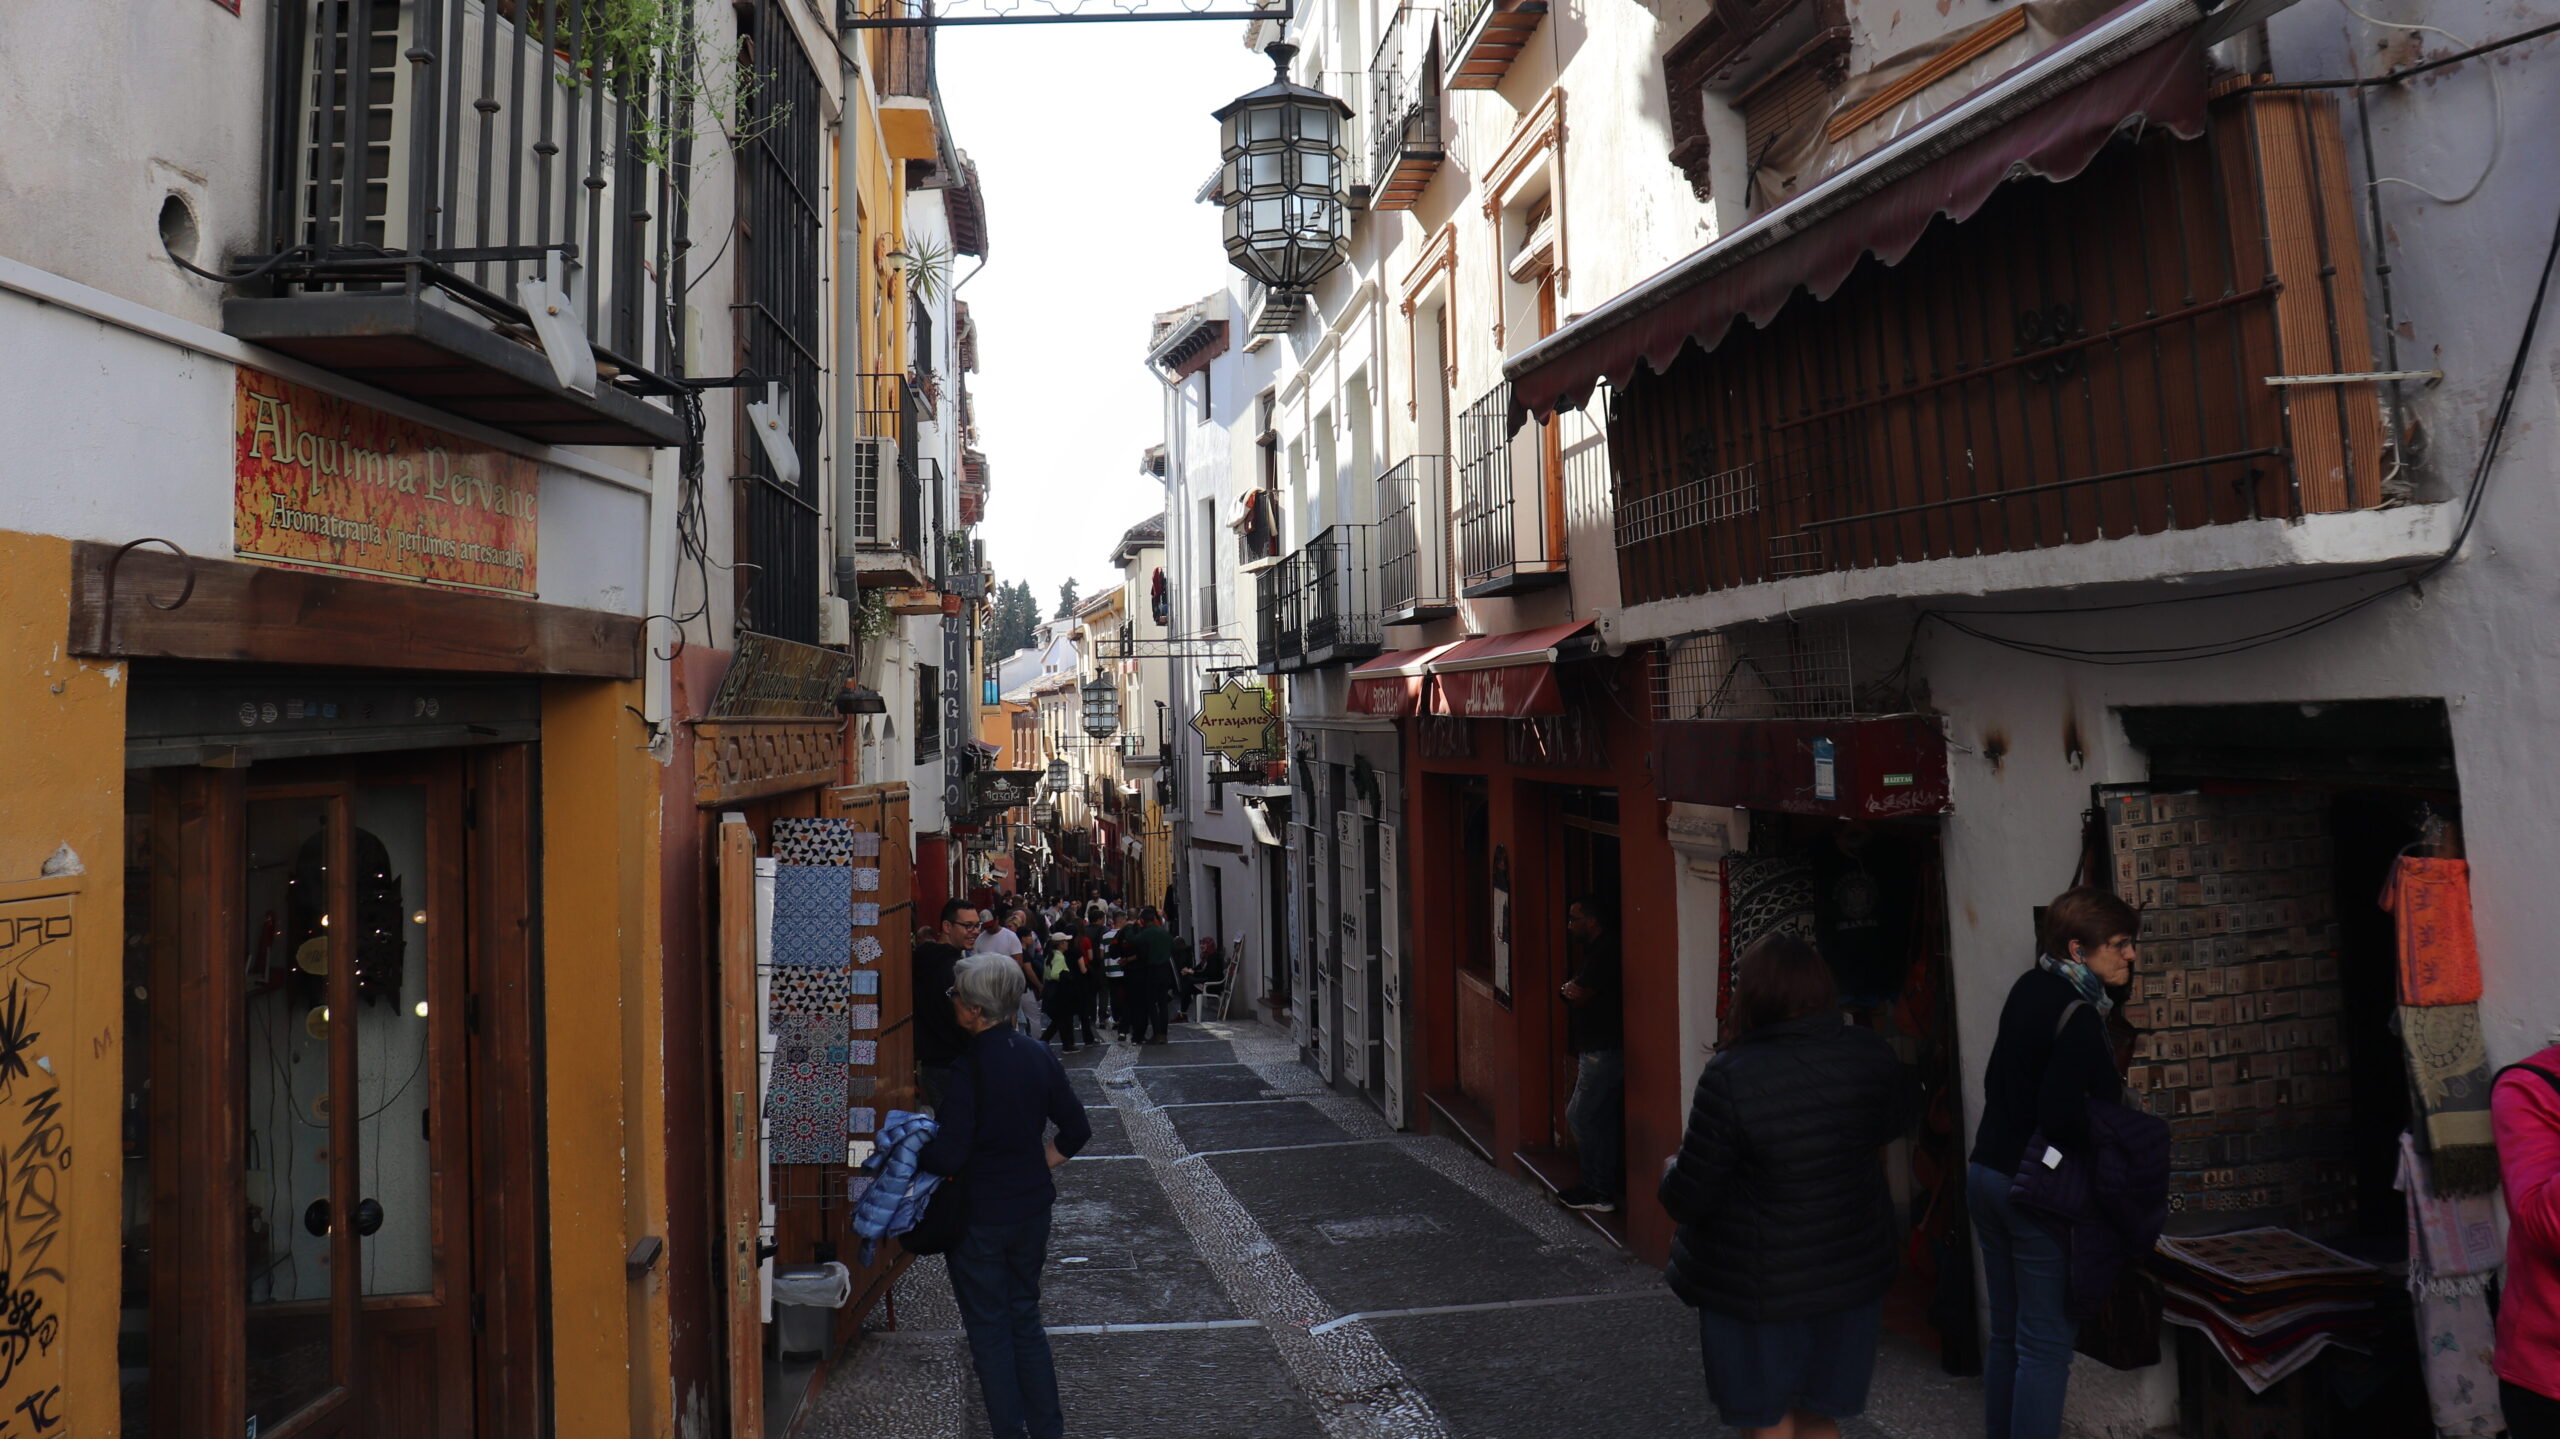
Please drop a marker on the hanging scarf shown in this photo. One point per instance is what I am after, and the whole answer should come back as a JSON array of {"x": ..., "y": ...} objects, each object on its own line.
[
  {"x": 2453, "y": 1249},
  {"x": 2449, "y": 1072},
  {"x": 2083, "y": 978}
]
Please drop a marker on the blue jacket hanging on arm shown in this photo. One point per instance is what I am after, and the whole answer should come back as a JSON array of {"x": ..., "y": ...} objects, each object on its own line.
[{"x": 900, "y": 1188}]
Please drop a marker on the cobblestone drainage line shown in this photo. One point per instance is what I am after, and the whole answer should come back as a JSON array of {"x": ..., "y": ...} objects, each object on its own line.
[
  {"x": 1487, "y": 1306},
  {"x": 1355, "y": 1387}
]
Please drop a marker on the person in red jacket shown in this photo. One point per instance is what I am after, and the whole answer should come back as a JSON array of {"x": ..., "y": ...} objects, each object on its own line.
[{"x": 2524, "y": 1106}]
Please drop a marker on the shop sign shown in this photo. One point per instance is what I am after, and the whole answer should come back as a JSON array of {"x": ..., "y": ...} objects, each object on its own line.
[
  {"x": 770, "y": 678},
  {"x": 322, "y": 483},
  {"x": 1236, "y": 721},
  {"x": 1573, "y": 740},
  {"x": 1503, "y": 692},
  {"x": 1869, "y": 767},
  {"x": 1001, "y": 789},
  {"x": 1444, "y": 737}
]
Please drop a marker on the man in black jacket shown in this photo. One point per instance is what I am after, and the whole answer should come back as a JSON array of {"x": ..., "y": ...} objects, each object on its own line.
[
  {"x": 1595, "y": 1016},
  {"x": 939, "y": 1037}
]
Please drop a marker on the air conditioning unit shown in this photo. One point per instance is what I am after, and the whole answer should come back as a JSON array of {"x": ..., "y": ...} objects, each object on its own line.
[{"x": 867, "y": 493}]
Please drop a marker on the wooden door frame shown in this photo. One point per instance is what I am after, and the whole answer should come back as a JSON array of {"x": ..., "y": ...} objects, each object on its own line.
[{"x": 199, "y": 840}]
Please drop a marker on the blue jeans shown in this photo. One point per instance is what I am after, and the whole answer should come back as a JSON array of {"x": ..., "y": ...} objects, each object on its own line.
[
  {"x": 2026, "y": 1366},
  {"x": 1595, "y": 1113},
  {"x": 995, "y": 1274}
]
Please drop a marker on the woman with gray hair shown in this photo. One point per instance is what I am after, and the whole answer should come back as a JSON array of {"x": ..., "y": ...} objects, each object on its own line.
[{"x": 1006, "y": 1090}]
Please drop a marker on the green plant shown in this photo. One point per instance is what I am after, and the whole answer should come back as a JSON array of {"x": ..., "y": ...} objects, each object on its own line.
[
  {"x": 680, "y": 86},
  {"x": 873, "y": 619},
  {"x": 927, "y": 268}
]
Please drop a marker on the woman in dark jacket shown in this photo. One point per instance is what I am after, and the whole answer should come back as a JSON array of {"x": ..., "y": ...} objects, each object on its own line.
[
  {"x": 2048, "y": 1063},
  {"x": 1787, "y": 1232}
]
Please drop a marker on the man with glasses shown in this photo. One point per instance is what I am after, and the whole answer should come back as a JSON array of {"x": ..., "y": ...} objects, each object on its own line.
[{"x": 939, "y": 1037}]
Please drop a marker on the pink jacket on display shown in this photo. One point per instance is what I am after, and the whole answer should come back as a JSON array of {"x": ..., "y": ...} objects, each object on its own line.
[{"x": 2526, "y": 1110}]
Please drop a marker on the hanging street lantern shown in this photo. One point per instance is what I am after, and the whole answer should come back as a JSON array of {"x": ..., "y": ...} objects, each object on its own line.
[
  {"x": 1283, "y": 182},
  {"x": 1058, "y": 781},
  {"x": 1101, "y": 708}
]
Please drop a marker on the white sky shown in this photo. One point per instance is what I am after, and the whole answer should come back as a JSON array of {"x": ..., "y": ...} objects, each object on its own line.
[{"x": 1090, "y": 141}]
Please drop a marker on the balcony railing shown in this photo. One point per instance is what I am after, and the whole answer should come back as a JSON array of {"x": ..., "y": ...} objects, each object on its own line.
[
  {"x": 1279, "y": 614},
  {"x": 467, "y": 206},
  {"x": 1485, "y": 36},
  {"x": 1510, "y": 504},
  {"x": 902, "y": 57},
  {"x": 1405, "y": 147},
  {"x": 1413, "y": 542},
  {"x": 2128, "y": 393},
  {"x": 1341, "y": 590}
]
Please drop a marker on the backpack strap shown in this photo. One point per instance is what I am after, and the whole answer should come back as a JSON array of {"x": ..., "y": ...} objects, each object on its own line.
[
  {"x": 2077, "y": 1004},
  {"x": 2547, "y": 1076}
]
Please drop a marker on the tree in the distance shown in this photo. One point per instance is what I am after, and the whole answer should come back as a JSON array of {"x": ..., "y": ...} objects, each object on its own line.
[
  {"x": 1066, "y": 601},
  {"x": 1017, "y": 619}
]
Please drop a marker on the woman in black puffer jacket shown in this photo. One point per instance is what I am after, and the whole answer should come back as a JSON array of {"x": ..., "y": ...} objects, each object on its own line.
[{"x": 1787, "y": 1234}]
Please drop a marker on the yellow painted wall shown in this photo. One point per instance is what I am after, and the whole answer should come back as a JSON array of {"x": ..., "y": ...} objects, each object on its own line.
[
  {"x": 606, "y": 1075},
  {"x": 881, "y": 194},
  {"x": 61, "y": 1156}
]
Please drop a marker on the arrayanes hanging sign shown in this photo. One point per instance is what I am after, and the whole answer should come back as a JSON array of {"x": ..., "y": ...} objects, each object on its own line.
[{"x": 1236, "y": 721}]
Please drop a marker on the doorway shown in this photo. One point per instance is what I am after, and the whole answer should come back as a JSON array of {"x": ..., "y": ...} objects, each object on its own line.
[{"x": 329, "y": 1184}]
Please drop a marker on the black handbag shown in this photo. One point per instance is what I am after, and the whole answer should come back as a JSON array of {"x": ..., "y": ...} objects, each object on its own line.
[{"x": 946, "y": 1214}]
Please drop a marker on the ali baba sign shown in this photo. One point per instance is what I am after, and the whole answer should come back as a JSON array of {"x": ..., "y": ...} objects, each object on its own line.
[
  {"x": 326, "y": 484},
  {"x": 1236, "y": 721}
]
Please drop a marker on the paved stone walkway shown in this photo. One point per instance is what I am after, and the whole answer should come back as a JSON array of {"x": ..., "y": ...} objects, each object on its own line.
[{"x": 1242, "y": 1255}]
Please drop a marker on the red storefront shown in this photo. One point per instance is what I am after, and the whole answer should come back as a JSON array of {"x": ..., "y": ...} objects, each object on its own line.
[{"x": 1528, "y": 784}]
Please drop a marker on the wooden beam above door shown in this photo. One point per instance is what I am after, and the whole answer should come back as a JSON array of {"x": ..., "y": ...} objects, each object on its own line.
[{"x": 261, "y": 614}]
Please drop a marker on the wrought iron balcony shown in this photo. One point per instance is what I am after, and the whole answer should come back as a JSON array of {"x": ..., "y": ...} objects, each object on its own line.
[
  {"x": 2150, "y": 390},
  {"x": 1341, "y": 580},
  {"x": 1510, "y": 501},
  {"x": 1413, "y": 542},
  {"x": 468, "y": 205},
  {"x": 1280, "y": 614},
  {"x": 1405, "y": 148},
  {"x": 1485, "y": 36}
]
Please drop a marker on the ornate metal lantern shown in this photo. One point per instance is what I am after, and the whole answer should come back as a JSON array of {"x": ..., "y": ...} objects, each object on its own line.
[
  {"x": 1101, "y": 708},
  {"x": 1283, "y": 181},
  {"x": 1058, "y": 781}
]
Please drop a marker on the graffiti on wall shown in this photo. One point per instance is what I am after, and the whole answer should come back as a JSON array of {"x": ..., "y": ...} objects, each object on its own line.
[{"x": 35, "y": 1163}]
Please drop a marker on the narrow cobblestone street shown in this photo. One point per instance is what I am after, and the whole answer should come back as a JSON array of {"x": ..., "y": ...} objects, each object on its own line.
[{"x": 1243, "y": 1255}]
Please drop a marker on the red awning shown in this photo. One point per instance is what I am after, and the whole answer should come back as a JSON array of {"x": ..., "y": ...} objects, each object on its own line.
[
  {"x": 1509, "y": 676},
  {"x": 2142, "y": 64},
  {"x": 1390, "y": 686}
]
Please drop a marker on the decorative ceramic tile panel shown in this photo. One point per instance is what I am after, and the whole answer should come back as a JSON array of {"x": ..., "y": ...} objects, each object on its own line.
[
  {"x": 815, "y": 841},
  {"x": 864, "y": 1016},
  {"x": 861, "y": 1119},
  {"x": 804, "y": 1110},
  {"x": 867, "y": 881},
  {"x": 865, "y": 1051},
  {"x": 808, "y": 1004},
  {"x": 866, "y": 915},
  {"x": 866, "y": 843},
  {"x": 862, "y": 1086},
  {"x": 812, "y": 915},
  {"x": 862, "y": 981},
  {"x": 866, "y": 949}
]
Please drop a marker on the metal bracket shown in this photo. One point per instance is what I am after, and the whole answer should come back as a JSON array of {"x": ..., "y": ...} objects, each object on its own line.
[
  {"x": 564, "y": 339},
  {"x": 107, "y": 595},
  {"x": 771, "y": 417}
]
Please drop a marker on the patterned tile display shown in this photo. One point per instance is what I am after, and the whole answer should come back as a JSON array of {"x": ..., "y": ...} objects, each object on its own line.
[
  {"x": 867, "y": 881},
  {"x": 804, "y": 1110},
  {"x": 2237, "y": 1004},
  {"x": 864, "y": 1016},
  {"x": 866, "y": 915},
  {"x": 812, "y": 915},
  {"x": 809, "y": 1004},
  {"x": 862, "y": 1086},
  {"x": 816, "y": 841},
  {"x": 866, "y": 1051},
  {"x": 866, "y": 843},
  {"x": 866, "y": 949},
  {"x": 863, "y": 981},
  {"x": 861, "y": 1119}
]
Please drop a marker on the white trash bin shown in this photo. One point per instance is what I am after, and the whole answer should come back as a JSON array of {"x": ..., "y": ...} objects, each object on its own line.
[{"x": 805, "y": 1298}]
